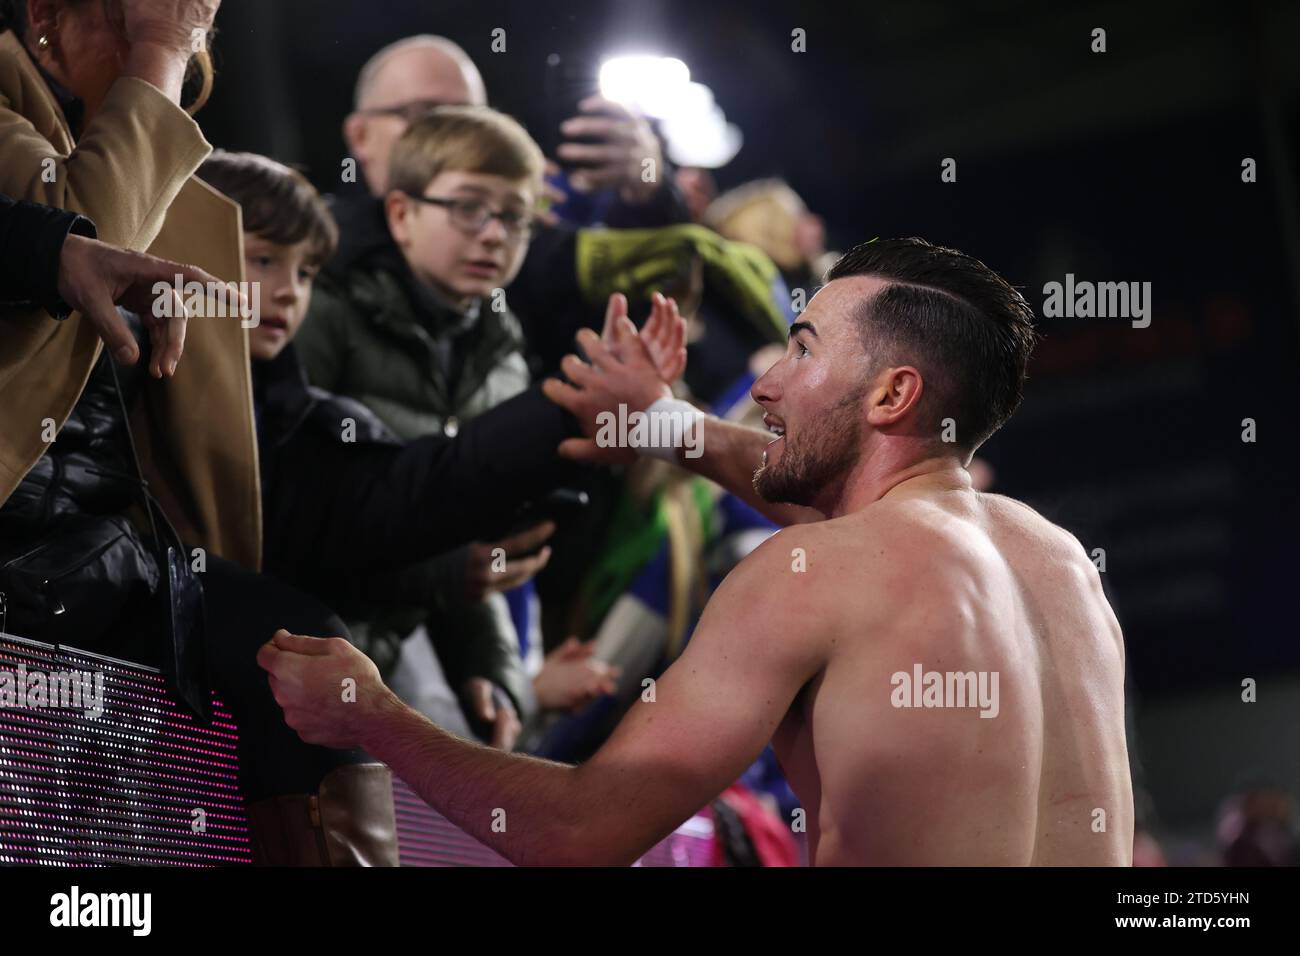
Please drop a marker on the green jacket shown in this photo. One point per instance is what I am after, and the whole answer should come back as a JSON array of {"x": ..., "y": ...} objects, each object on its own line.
[
  {"x": 374, "y": 334},
  {"x": 406, "y": 354}
]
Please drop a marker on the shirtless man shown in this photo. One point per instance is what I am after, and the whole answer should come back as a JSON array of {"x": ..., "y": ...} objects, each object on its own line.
[{"x": 937, "y": 669}]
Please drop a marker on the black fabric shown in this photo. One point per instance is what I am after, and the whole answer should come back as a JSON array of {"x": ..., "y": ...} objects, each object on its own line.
[
  {"x": 67, "y": 524},
  {"x": 667, "y": 207},
  {"x": 244, "y": 610},
  {"x": 547, "y": 301},
  {"x": 77, "y": 578},
  {"x": 31, "y": 242},
  {"x": 362, "y": 228},
  {"x": 71, "y": 562},
  {"x": 342, "y": 519},
  {"x": 333, "y": 508},
  {"x": 178, "y": 598},
  {"x": 88, "y": 469}
]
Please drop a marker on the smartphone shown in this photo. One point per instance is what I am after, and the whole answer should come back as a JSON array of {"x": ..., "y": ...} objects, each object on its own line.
[
  {"x": 559, "y": 506},
  {"x": 567, "y": 84}
]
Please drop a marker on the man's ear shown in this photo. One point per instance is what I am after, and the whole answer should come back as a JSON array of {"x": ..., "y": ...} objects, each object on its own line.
[
  {"x": 396, "y": 210},
  {"x": 895, "y": 394},
  {"x": 354, "y": 135}
]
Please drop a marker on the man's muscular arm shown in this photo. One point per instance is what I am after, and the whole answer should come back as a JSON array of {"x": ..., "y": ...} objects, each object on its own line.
[{"x": 712, "y": 713}]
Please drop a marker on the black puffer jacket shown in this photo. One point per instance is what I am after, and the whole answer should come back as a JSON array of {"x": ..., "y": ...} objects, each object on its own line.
[{"x": 74, "y": 567}]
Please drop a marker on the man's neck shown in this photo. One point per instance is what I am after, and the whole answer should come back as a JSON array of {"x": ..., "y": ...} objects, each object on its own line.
[{"x": 881, "y": 474}]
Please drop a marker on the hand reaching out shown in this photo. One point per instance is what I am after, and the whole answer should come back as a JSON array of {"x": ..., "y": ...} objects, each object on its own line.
[
  {"x": 626, "y": 368},
  {"x": 626, "y": 149},
  {"x": 570, "y": 679},
  {"x": 330, "y": 692},
  {"x": 496, "y": 566},
  {"x": 664, "y": 333}
]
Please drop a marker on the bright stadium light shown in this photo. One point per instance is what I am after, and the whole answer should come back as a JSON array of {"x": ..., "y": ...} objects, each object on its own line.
[
  {"x": 649, "y": 84},
  {"x": 695, "y": 127},
  {"x": 698, "y": 133}
]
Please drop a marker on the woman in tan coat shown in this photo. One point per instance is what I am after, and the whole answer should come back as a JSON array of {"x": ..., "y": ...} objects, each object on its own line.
[{"x": 90, "y": 121}]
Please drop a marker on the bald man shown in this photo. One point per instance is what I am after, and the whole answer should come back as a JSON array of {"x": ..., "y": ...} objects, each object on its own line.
[
  {"x": 405, "y": 79},
  {"x": 397, "y": 85},
  {"x": 937, "y": 669}
]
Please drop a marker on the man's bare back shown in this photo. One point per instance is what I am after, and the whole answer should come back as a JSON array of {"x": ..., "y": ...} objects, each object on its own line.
[{"x": 954, "y": 581}]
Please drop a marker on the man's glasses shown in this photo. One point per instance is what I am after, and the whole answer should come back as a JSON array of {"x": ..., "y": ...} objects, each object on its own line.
[
  {"x": 409, "y": 112},
  {"x": 471, "y": 215}
]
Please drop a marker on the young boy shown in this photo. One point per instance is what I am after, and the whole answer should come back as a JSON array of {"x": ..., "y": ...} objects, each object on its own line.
[{"x": 416, "y": 327}]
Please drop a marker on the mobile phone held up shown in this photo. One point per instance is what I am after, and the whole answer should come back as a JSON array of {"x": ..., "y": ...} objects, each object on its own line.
[{"x": 560, "y": 506}]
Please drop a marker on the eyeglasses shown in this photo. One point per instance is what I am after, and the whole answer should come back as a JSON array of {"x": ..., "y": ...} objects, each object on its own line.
[
  {"x": 471, "y": 215},
  {"x": 411, "y": 112}
]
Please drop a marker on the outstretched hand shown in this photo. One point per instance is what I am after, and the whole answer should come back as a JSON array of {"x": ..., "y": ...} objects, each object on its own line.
[
  {"x": 623, "y": 368},
  {"x": 663, "y": 334},
  {"x": 572, "y": 677}
]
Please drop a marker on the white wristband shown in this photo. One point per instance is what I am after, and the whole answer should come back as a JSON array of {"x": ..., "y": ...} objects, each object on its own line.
[{"x": 675, "y": 425}]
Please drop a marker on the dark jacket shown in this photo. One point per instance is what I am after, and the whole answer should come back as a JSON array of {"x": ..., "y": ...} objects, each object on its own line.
[
  {"x": 378, "y": 335},
  {"x": 31, "y": 243},
  {"x": 424, "y": 366},
  {"x": 74, "y": 568},
  {"x": 347, "y": 506}
]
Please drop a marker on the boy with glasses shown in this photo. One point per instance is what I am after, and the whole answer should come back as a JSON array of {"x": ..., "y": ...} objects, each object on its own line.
[{"x": 417, "y": 328}]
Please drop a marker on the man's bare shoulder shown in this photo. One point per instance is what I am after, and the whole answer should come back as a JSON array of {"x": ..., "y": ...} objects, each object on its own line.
[
  {"x": 807, "y": 559},
  {"x": 1055, "y": 541},
  {"x": 1059, "y": 560},
  {"x": 776, "y": 577},
  {"x": 771, "y": 606},
  {"x": 823, "y": 577}
]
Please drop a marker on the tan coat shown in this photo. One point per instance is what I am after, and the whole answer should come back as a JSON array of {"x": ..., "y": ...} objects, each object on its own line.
[{"x": 132, "y": 174}]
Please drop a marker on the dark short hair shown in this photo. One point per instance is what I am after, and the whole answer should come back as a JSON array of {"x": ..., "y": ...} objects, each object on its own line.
[
  {"x": 278, "y": 203},
  {"x": 964, "y": 327}
]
